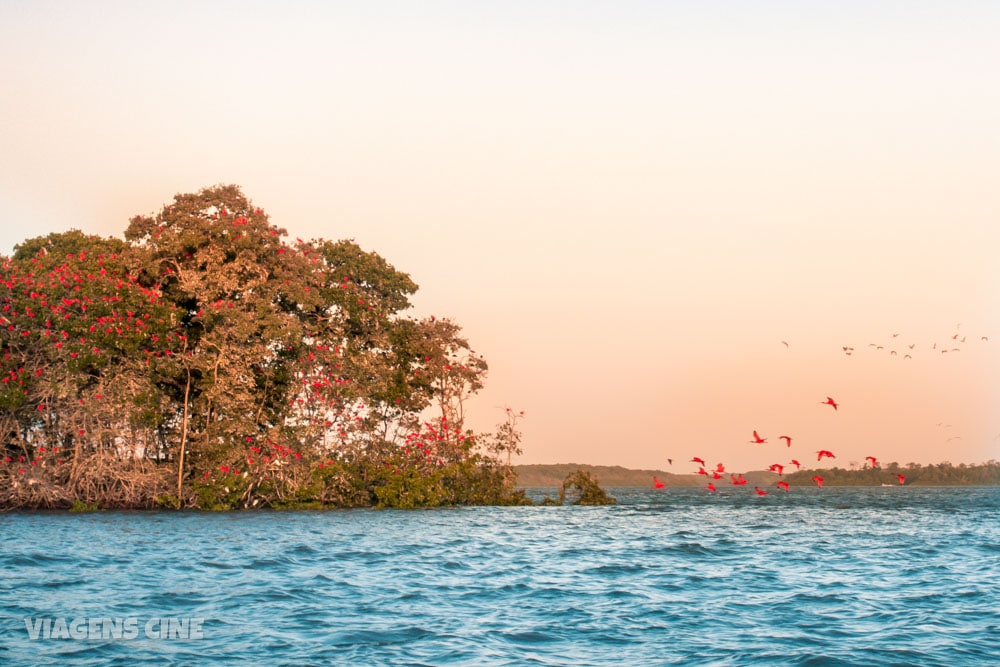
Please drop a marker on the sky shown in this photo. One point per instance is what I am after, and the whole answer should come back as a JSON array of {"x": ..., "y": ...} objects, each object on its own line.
[{"x": 660, "y": 222}]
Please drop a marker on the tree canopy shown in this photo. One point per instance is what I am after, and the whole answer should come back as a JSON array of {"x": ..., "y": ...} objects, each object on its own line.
[{"x": 208, "y": 360}]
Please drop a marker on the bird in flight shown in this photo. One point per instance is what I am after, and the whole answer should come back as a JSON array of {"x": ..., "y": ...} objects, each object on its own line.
[
  {"x": 798, "y": 466},
  {"x": 785, "y": 343},
  {"x": 698, "y": 460},
  {"x": 818, "y": 480},
  {"x": 821, "y": 453},
  {"x": 759, "y": 491},
  {"x": 757, "y": 439},
  {"x": 873, "y": 460},
  {"x": 902, "y": 479},
  {"x": 787, "y": 439},
  {"x": 782, "y": 485},
  {"x": 778, "y": 468},
  {"x": 830, "y": 401},
  {"x": 657, "y": 484},
  {"x": 711, "y": 487}
]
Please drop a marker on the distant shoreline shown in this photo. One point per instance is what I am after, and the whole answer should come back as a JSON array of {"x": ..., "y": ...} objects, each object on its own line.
[{"x": 542, "y": 475}]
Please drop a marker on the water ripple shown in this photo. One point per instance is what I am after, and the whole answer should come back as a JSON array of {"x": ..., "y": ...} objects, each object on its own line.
[{"x": 843, "y": 577}]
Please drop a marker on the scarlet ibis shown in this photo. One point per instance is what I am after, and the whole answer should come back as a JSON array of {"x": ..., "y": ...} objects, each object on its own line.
[
  {"x": 821, "y": 453},
  {"x": 798, "y": 466},
  {"x": 830, "y": 401},
  {"x": 657, "y": 484},
  {"x": 759, "y": 491},
  {"x": 818, "y": 480},
  {"x": 901, "y": 478},
  {"x": 698, "y": 460},
  {"x": 757, "y": 439},
  {"x": 782, "y": 485},
  {"x": 777, "y": 467},
  {"x": 788, "y": 440},
  {"x": 711, "y": 487},
  {"x": 873, "y": 460}
]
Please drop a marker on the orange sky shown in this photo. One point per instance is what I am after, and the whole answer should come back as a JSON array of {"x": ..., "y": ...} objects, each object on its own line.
[{"x": 628, "y": 206}]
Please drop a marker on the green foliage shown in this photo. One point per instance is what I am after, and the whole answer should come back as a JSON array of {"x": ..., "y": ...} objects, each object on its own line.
[
  {"x": 581, "y": 488},
  {"x": 81, "y": 506}
]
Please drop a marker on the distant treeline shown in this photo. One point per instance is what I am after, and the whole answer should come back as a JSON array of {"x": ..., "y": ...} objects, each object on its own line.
[{"x": 939, "y": 474}]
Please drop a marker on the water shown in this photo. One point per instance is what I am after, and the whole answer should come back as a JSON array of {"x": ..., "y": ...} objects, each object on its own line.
[{"x": 838, "y": 576}]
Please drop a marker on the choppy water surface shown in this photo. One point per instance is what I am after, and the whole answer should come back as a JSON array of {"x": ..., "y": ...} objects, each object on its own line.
[{"x": 838, "y": 576}]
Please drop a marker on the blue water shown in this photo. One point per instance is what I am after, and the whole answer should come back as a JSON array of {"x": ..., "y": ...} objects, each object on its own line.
[{"x": 838, "y": 576}]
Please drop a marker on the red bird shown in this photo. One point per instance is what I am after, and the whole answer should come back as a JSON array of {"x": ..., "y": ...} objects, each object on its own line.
[
  {"x": 830, "y": 401},
  {"x": 873, "y": 460},
  {"x": 798, "y": 466},
  {"x": 782, "y": 485},
  {"x": 739, "y": 481},
  {"x": 657, "y": 484},
  {"x": 818, "y": 480},
  {"x": 698, "y": 460},
  {"x": 821, "y": 453},
  {"x": 777, "y": 467},
  {"x": 757, "y": 439},
  {"x": 901, "y": 478},
  {"x": 711, "y": 487},
  {"x": 759, "y": 491},
  {"x": 788, "y": 440}
]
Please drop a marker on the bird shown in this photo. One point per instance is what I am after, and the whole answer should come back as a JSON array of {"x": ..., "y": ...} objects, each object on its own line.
[
  {"x": 787, "y": 439},
  {"x": 901, "y": 478},
  {"x": 670, "y": 462},
  {"x": 782, "y": 485},
  {"x": 785, "y": 343},
  {"x": 738, "y": 480},
  {"x": 798, "y": 466},
  {"x": 759, "y": 491},
  {"x": 711, "y": 487},
  {"x": 821, "y": 453},
  {"x": 818, "y": 480},
  {"x": 777, "y": 467},
  {"x": 873, "y": 460},
  {"x": 757, "y": 439},
  {"x": 657, "y": 484},
  {"x": 698, "y": 460},
  {"x": 830, "y": 401}
]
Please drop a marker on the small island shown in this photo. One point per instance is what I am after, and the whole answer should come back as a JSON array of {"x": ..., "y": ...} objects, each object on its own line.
[{"x": 207, "y": 361}]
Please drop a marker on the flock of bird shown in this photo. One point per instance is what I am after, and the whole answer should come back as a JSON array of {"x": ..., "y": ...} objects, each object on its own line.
[{"x": 717, "y": 474}]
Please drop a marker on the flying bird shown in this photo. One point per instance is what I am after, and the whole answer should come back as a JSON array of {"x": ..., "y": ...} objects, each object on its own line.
[
  {"x": 830, "y": 401},
  {"x": 818, "y": 480},
  {"x": 698, "y": 460},
  {"x": 798, "y": 466},
  {"x": 782, "y": 485},
  {"x": 760, "y": 491},
  {"x": 821, "y": 453},
  {"x": 757, "y": 439},
  {"x": 787, "y": 439},
  {"x": 777, "y": 467},
  {"x": 901, "y": 478},
  {"x": 873, "y": 460},
  {"x": 711, "y": 487},
  {"x": 657, "y": 484}
]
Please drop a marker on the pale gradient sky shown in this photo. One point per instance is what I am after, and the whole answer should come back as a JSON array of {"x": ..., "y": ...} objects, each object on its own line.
[{"x": 626, "y": 205}]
